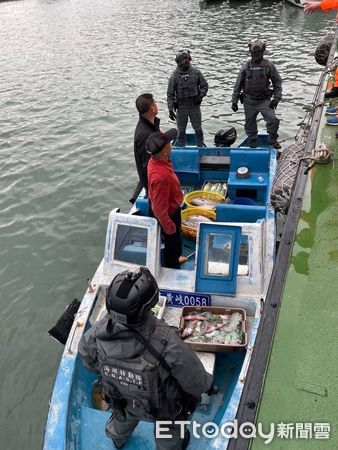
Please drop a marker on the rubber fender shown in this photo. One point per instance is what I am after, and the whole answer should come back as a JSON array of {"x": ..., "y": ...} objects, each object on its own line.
[
  {"x": 323, "y": 49},
  {"x": 284, "y": 181}
]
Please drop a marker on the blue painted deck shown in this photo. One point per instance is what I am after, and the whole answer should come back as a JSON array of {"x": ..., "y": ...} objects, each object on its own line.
[{"x": 91, "y": 422}]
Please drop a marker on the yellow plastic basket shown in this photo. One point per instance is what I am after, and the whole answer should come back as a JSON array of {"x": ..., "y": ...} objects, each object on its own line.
[
  {"x": 190, "y": 232},
  {"x": 218, "y": 198}
]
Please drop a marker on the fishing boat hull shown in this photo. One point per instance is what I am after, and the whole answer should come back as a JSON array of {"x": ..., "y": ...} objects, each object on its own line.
[{"x": 75, "y": 421}]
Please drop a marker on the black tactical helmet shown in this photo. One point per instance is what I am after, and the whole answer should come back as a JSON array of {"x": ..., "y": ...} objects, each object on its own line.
[
  {"x": 257, "y": 46},
  {"x": 131, "y": 294},
  {"x": 225, "y": 138},
  {"x": 257, "y": 49},
  {"x": 183, "y": 53}
]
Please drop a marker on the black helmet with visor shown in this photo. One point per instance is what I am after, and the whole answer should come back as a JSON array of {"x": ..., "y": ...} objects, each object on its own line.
[{"x": 131, "y": 295}]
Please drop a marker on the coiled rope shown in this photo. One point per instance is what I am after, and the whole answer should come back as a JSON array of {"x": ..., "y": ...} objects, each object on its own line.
[{"x": 319, "y": 155}]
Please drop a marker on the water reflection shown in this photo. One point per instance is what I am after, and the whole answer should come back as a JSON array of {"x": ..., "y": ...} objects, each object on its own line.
[{"x": 319, "y": 201}]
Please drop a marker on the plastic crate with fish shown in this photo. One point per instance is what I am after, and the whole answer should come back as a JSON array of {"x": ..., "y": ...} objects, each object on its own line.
[
  {"x": 203, "y": 199},
  {"x": 217, "y": 187},
  {"x": 214, "y": 329},
  {"x": 191, "y": 217}
]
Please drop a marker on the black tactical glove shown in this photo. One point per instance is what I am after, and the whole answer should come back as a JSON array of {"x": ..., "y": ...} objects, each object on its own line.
[
  {"x": 198, "y": 99},
  {"x": 172, "y": 115},
  {"x": 234, "y": 107},
  {"x": 273, "y": 104}
]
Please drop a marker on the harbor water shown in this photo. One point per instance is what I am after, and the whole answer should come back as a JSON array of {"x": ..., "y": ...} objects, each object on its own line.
[{"x": 70, "y": 73}]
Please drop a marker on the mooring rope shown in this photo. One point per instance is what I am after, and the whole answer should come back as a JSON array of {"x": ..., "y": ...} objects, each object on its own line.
[{"x": 319, "y": 155}]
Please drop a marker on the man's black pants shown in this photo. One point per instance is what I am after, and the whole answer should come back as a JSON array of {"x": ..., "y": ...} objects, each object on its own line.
[{"x": 173, "y": 242}]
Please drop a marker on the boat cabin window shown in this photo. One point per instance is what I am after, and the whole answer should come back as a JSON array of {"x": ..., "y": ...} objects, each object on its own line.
[
  {"x": 217, "y": 254},
  {"x": 131, "y": 244}
]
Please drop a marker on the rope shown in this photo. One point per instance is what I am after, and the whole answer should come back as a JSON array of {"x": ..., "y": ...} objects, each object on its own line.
[{"x": 319, "y": 155}]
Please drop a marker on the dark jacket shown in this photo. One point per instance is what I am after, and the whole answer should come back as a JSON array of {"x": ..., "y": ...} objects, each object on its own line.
[
  {"x": 186, "y": 87},
  {"x": 143, "y": 129},
  {"x": 269, "y": 70},
  {"x": 104, "y": 338}
]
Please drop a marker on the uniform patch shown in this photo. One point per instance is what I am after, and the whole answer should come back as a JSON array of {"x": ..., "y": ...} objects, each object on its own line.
[{"x": 124, "y": 376}]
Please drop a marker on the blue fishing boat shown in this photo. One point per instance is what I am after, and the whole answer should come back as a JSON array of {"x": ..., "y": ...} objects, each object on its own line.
[{"x": 228, "y": 265}]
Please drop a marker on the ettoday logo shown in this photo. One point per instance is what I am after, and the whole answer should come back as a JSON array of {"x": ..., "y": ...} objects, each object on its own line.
[{"x": 247, "y": 430}]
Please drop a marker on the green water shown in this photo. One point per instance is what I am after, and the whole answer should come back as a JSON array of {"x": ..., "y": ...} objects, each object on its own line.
[
  {"x": 301, "y": 381},
  {"x": 70, "y": 73}
]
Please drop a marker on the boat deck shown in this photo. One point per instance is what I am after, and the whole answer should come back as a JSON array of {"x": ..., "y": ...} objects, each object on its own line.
[
  {"x": 88, "y": 419},
  {"x": 301, "y": 381}
]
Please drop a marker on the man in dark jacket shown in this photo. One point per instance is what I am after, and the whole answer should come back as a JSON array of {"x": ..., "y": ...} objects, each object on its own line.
[
  {"x": 253, "y": 86},
  {"x": 186, "y": 89},
  {"x": 146, "y": 368},
  {"x": 147, "y": 124}
]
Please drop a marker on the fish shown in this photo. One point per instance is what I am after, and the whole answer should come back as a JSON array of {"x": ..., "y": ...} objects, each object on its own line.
[
  {"x": 194, "y": 317},
  {"x": 214, "y": 327},
  {"x": 203, "y": 203},
  {"x": 217, "y": 187},
  {"x": 189, "y": 329},
  {"x": 193, "y": 220}
]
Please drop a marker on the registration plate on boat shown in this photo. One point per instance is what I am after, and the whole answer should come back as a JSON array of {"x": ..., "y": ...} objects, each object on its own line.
[{"x": 180, "y": 299}]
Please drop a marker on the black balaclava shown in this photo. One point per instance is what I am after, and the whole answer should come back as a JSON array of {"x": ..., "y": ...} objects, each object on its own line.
[
  {"x": 183, "y": 59},
  {"x": 257, "y": 49}
]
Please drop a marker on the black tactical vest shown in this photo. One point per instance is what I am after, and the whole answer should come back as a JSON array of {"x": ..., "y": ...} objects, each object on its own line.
[
  {"x": 256, "y": 84},
  {"x": 138, "y": 384},
  {"x": 186, "y": 85}
]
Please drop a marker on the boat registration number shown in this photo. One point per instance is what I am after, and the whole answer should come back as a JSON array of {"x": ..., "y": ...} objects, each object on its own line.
[{"x": 180, "y": 299}]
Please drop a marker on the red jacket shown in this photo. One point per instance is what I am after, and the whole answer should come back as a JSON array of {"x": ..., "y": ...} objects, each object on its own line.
[{"x": 164, "y": 192}]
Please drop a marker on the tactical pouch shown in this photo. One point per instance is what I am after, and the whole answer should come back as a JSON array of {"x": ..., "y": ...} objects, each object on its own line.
[
  {"x": 174, "y": 402},
  {"x": 113, "y": 397},
  {"x": 172, "y": 396},
  {"x": 136, "y": 385}
]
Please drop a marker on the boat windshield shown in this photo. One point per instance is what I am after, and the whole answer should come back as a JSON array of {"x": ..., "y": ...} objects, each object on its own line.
[{"x": 131, "y": 244}]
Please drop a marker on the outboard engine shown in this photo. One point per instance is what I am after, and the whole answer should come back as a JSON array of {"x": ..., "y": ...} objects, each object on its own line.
[{"x": 225, "y": 138}]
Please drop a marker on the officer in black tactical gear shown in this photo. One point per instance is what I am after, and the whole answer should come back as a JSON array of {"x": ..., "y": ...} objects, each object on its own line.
[
  {"x": 147, "y": 371},
  {"x": 254, "y": 90},
  {"x": 186, "y": 89}
]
